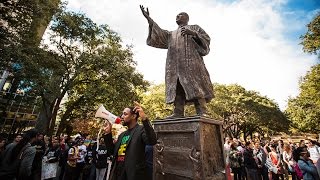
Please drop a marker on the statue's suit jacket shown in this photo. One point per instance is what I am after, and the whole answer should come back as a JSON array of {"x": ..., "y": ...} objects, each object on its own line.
[{"x": 184, "y": 63}]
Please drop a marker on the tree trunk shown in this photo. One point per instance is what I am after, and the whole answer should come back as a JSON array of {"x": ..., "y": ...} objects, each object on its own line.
[
  {"x": 236, "y": 135},
  {"x": 251, "y": 135},
  {"x": 62, "y": 126},
  {"x": 39, "y": 24},
  {"x": 56, "y": 108},
  {"x": 245, "y": 134},
  {"x": 43, "y": 119},
  {"x": 66, "y": 115}
]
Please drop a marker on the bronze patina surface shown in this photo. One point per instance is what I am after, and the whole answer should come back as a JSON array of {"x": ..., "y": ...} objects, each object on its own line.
[{"x": 186, "y": 77}]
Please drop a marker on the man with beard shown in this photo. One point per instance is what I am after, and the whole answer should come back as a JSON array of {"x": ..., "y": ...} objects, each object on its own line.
[
  {"x": 129, "y": 151},
  {"x": 37, "y": 162},
  {"x": 17, "y": 138}
]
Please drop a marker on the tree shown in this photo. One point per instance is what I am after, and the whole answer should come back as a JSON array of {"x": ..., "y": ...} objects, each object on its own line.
[
  {"x": 22, "y": 24},
  {"x": 85, "y": 64},
  {"x": 311, "y": 40},
  {"x": 304, "y": 110},
  {"x": 245, "y": 112},
  {"x": 90, "y": 127}
]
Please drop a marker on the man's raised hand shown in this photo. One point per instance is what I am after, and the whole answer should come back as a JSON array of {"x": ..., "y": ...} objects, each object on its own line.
[{"x": 138, "y": 109}]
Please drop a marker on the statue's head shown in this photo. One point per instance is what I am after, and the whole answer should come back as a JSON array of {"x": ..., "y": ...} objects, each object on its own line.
[{"x": 182, "y": 18}]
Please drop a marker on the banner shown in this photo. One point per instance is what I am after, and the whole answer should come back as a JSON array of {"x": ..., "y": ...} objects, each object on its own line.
[{"x": 49, "y": 170}]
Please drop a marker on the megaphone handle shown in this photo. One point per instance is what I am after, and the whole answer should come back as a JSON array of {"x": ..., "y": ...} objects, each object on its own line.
[
  {"x": 109, "y": 169},
  {"x": 98, "y": 137}
]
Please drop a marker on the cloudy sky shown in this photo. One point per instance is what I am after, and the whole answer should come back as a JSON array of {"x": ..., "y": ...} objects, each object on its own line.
[{"x": 254, "y": 43}]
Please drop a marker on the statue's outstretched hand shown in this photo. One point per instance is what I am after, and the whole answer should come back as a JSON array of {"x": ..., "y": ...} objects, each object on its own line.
[{"x": 145, "y": 13}]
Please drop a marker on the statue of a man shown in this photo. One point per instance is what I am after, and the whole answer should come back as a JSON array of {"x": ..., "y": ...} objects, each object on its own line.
[{"x": 187, "y": 79}]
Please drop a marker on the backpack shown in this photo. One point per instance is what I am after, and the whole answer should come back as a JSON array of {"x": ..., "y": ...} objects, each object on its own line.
[
  {"x": 234, "y": 159},
  {"x": 298, "y": 171}
]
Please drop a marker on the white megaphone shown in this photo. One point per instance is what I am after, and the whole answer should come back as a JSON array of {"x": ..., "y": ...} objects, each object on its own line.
[{"x": 103, "y": 113}]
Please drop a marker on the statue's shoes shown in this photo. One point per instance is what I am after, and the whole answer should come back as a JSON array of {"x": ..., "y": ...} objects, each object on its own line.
[
  {"x": 174, "y": 116},
  {"x": 204, "y": 115}
]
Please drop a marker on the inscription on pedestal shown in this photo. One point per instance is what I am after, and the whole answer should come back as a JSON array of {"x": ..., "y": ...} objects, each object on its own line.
[{"x": 178, "y": 140}]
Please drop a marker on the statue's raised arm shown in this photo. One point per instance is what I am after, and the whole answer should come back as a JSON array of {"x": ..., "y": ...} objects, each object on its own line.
[{"x": 145, "y": 13}]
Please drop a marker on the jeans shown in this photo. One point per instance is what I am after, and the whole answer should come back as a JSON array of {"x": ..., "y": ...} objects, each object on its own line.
[
  {"x": 79, "y": 169},
  {"x": 252, "y": 174},
  {"x": 263, "y": 173},
  {"x": 236, "y": 173},
  {"x": 100, "y": 173},
  {"x": 92, "y": 172},
  {"x": 70, "y": 173}
]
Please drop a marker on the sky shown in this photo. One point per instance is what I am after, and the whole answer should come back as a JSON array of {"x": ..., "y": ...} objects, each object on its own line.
[{"x": 254, "y": 43}]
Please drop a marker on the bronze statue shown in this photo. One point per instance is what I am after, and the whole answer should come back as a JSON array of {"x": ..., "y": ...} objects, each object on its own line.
[{"x": 187, "y": 79}]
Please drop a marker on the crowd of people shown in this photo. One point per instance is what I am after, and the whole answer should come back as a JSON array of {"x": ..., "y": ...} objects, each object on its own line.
[
  {"x": 33, "y": 156},
  {"x": 272, "y": 160}
]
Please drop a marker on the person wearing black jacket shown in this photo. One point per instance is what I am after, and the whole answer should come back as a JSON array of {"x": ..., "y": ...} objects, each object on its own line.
[
  {"x": 89, "y": 168},
  {"x": 250, "y": 162},
  {"x": 100, "y": 157},
  {"x": 37, "y": 162},
  {"x": 149, "y": 160},
  {"x": 16, "y": 160},
  {"x": 129, "y": 152}
]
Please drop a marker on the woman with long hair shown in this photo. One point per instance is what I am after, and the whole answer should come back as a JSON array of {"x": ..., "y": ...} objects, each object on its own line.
[
  {"x": 16, "y": 160},
  {"x": 288, "y": 161},
  {"x": 276, "y": 161}
]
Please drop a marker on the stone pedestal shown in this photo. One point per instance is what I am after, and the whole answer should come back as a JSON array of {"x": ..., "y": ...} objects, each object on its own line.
[{"x": 188, "y": 148}]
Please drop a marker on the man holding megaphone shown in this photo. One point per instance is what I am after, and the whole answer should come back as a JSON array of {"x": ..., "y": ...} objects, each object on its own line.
[{"x": 129, "y": 151}]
